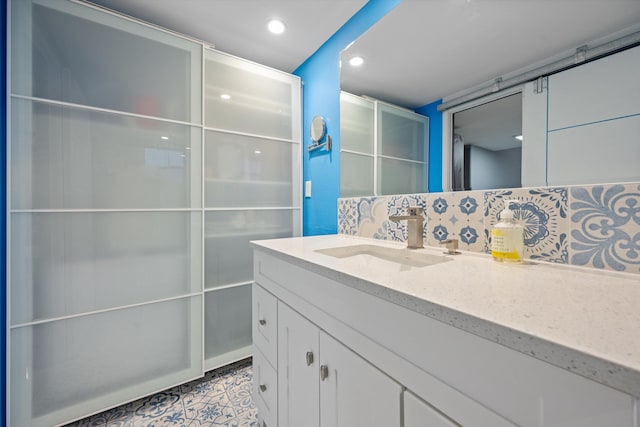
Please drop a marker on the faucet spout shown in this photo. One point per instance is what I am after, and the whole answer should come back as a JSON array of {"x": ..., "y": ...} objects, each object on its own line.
[{"x": 414, "y": 224}]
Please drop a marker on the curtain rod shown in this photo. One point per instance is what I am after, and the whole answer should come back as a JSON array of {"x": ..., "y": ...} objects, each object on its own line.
[{"x": 582, "y": 55}]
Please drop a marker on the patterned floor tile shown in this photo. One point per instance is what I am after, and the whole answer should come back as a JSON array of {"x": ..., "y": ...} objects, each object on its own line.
[
  {"x": 221, "y": 398},
  {"x": 457, "y": 215},
  {"x": 606, "y": 227},
  {"x": 544, "y": 215}
]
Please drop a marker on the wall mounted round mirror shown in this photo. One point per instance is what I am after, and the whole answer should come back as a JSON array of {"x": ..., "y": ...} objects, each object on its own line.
[{"x": 318, "y": 128}]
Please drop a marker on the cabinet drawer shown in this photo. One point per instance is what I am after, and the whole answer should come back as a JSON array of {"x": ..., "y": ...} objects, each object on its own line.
[
  {"x": 265, "y": 323},
  {"x": 418, "y": 413},
  {"x": 265, "y": 390}
]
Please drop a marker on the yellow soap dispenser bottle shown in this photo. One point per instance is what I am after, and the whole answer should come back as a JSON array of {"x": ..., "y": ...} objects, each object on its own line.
[{"x": 507, "y": 237}]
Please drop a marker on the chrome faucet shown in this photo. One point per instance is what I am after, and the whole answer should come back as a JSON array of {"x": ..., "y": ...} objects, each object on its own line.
[{"x": 414, "y": 223}]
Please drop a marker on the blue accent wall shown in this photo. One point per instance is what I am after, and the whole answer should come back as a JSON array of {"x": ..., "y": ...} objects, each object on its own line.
[
  {"x": 320, "y": 75},
  {"x": 435, "y": 144},
  {"x": 3, "y": 207}
]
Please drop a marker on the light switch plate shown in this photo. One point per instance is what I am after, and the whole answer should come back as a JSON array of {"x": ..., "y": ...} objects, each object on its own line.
[{"x": 307, "y": 189}]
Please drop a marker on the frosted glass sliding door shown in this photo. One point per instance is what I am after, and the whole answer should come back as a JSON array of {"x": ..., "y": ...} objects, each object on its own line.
[
  {"x": 246, "y": 171},
  {"x": 84, "y": 56},
  {"x": 384, "y": 148},
  {"x": 105, "y": 211},
  {"x": 131, "y": 207},
  {"x": 402, "y": 149},
  {"x": 73, "y": 158},
  {"x": 227, "y": 233},
  {"x": 357, "y": 135},
  {"x": 245, "y": 97},
  {"x": 251, "y": 176},
  {"x": 71, "y": 263},
  {"x": 80, "y": 365},
  {"x": 228, "y": 324}
]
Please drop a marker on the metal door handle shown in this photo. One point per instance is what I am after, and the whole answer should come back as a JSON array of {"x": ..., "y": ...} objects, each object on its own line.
[
  {"x": 309, "y": 358},
  {"x": 263, "y": 388},
  {"x": 324, "y": 372},
  {"x": 262, "y": 322}
]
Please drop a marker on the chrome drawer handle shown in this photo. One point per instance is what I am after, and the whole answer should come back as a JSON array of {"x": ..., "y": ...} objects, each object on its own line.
[
  {"x": 324, "y": 372},
  {"x": 262, "y": 322},
  {"x": 263, "y": 388},
  {"x": 309, "y": 358}
]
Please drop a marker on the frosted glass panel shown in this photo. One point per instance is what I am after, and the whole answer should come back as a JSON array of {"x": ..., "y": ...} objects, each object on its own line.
[
  {"x": 228, "y": 256},
  {"x": 69, "y": 263},
  {"x": 242, "y": 171},
  {"x": 68, "y": 158},
  {"x": 356, "y": 124},
  {"x": 227, "y": 320},
  {"x": 356, "y": 175},
  {"x": 84, "y": 56},
  {"x": 402, "y": 134},
  {"x": 69, "y": 368},
  {"x": 246, "y": 97},
  {"x": 401, "y": 177}
]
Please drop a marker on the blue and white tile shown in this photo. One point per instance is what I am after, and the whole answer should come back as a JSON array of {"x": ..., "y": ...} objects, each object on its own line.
[
  {"x": 542, "y": 212},
  {"x": 606, "y": 227},
  {"x": 154, "y": 409},
  {"x": 457, "y": 215},
  {"x": 372, "y": 217},
  {"x": 399, "y": 205},
  {"x": 347, "y": 216}
]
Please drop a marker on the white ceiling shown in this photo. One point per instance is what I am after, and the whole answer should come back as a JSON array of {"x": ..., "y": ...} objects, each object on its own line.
[
  {"x": 424, "y": 50},
  {"x": 238, "y": 27}
]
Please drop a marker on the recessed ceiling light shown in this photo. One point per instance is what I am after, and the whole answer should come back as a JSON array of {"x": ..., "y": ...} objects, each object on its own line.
[
  {"x": 164, "y": 137},
  {"x": 276, "y": 26},
  {"x": 225, "y": 96},
  {"x": 356, "y": 61},
  {"x": 257, "y": 152},
  {"x": 518, "y": 137}
]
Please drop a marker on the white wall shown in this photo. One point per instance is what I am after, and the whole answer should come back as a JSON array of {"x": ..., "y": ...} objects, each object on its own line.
[{"x": 494, "y": 169}]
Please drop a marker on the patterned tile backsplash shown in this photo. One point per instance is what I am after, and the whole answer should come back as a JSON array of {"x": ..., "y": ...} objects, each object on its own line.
[{"x": 595, "y": 226}]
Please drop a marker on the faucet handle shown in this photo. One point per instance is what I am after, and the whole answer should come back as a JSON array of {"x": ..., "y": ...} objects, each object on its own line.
[{"x": 451, "y": 245}]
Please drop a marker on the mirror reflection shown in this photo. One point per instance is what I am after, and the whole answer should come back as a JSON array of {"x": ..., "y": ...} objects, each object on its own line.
[
  {"x": 487, "y": 145},
  {"x": 583, "y": 106}
]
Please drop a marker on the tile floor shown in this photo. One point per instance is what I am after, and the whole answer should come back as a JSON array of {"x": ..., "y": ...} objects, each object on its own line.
[{"x": 221, "y": 398}]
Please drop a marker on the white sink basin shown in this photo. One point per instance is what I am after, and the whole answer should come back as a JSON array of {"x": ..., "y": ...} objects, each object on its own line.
[{"x": 408, "y": 257}]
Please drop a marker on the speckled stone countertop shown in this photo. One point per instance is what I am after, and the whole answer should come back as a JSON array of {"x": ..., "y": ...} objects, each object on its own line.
[{"x": 583, "y": 320}]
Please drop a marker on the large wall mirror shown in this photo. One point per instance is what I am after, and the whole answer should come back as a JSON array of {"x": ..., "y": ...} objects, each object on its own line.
[{"x": 502, "y": 126}]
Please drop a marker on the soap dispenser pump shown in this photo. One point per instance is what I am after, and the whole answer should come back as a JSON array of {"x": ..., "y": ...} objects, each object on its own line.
[{"x": 507, "y": 237}]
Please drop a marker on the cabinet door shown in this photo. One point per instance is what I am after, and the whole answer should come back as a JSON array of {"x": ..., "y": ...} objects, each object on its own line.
[
  {"x": 419, "y": 414},
  {"x": 298, "y": 375},
  {"x": 353, "y": 392}
]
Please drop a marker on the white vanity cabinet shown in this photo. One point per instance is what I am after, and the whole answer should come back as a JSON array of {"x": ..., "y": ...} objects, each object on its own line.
[
  {"x": 392, "y": 363},
  {"x": 418, "y": 413},
  {"x": 321, "y": 383}
]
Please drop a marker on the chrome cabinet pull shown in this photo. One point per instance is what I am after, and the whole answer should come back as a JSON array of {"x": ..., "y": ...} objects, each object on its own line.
[
  {"x": 262, "y": 322},
  {"x": 263, "y": 388},
  {"x": 309, "y": 358},
  {"x": 324, "y": 372}
]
